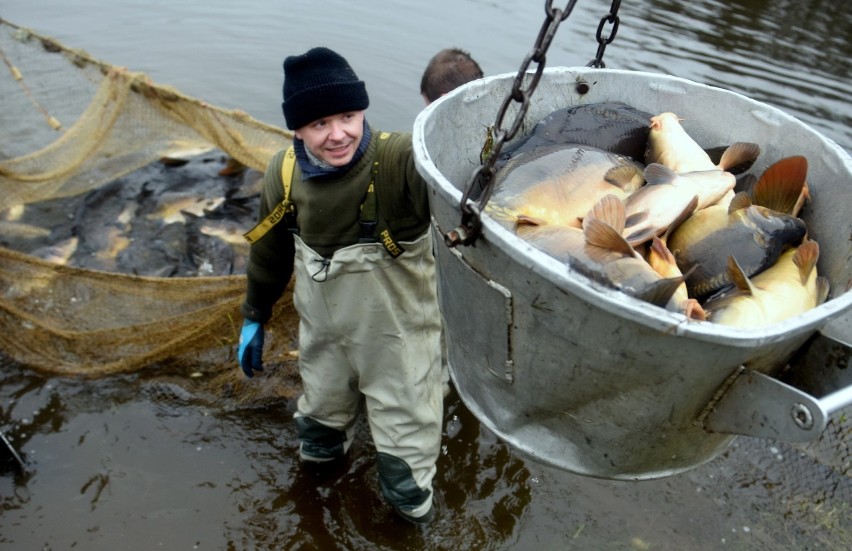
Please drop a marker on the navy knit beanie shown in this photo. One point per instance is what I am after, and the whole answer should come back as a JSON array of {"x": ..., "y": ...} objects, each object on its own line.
[{"x": 317, "y": 84}]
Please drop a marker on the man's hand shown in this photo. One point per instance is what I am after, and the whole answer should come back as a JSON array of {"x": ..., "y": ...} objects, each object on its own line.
[{"x": 250, "y": 352}]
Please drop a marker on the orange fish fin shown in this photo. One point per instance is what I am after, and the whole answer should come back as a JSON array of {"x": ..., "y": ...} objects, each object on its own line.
[
  {"x": 782, "y": 184},
  {"x": 610, "y": 210},
  {"x": 739, "y": 157},
  {"x": 804, "y": 197},
  {"x": 738, "y": 277},
  {"x": 601, "y": 234},
  {"x": 694, "y": 310},
  {"x": 741, "y": 200},
  {"x": 659, "y": 248},
  {"x": 805, "y": 258}
]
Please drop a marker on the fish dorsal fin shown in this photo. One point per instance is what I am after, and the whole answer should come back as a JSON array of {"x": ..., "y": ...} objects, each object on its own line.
[
  {"x": 741, "y": 200},
  {"x": 622, "y": 176},
  {"x": 781, "y": 185},
  {"x": 739, "y": 157},
  {"x": 610, "y": 210},
  {"x": 657, "y": 174},
  {"x": 660, "y": 292},
  {"x": 822, "y": 289},
  {"x": 601, "y": 234},
  {"x": 738, "y": 277},
  {"x": 805, "y": 259}
]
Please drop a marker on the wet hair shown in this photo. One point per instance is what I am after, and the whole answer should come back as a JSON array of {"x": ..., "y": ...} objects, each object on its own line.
[{"x": 447, "y": 70}]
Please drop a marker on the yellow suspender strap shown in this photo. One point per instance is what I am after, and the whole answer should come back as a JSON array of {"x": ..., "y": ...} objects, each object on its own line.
[{"x": 287, "y": 168}]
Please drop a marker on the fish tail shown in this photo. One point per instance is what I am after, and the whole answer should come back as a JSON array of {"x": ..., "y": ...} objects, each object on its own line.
[{"x": 782, "y": 186}]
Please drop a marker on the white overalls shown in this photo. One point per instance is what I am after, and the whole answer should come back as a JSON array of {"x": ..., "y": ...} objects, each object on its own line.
[{"x": 370, "y": 325}]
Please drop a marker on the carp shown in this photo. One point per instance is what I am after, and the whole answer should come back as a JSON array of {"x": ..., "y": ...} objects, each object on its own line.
[
  {"x": 788, "y": 288},
  {"x": 600, "y": 253},
  {"x": 662, "y": 200},
  {"x": 611, "y": 126},
  {"x": 559, "y": 184}
]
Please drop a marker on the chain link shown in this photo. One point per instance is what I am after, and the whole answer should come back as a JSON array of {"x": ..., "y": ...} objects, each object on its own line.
[
  {"x": 612, "y": 19},
  {"x": 483, "y": 177}
]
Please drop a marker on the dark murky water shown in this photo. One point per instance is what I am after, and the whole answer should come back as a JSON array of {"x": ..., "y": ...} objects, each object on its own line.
[{"x": 145, "y": 462}]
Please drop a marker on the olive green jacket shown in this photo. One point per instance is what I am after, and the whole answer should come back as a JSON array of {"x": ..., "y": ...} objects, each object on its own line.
[{"x": 327, "y": 212}]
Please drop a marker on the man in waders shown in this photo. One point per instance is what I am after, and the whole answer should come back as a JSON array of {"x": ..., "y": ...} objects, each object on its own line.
[{"x": 346, "y": 211}]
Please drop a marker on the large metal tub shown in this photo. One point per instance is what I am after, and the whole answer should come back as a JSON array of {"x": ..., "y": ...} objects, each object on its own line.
[{"x": 588, "y": 379}]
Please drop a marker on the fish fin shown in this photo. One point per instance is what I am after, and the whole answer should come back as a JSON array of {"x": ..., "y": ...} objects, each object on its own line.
[
  {"x": 640, "y": 236},
  {"x": 610, "y": 210},
  {"x": 804, "y": 197},
  {"x": 660, "y": 292},
  {"x": 524, "y": 220},
  {"x": 600, "y": 234},
  {"x": 715, "y": 153},
  {"x": 636, "y": 218},
  {"x": 688, "y": 211},
  {"x": 738, "y": 276},
  {"x": 741, "y": 200},
  {"x": 739, "y": 157},
  {"x": 659, "y": 248},
  {"x": 805, "y": 258},
  {"x": 622, "y": 176},
  {"x": 781, "y": 185},
  {"x": 822, "y": 289},
  {"x": 657, "y": 174},
  {"x": 694, "y": 311}
]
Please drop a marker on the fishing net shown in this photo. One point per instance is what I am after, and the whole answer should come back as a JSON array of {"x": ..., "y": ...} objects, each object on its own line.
[{"x": 103, "y": 168}]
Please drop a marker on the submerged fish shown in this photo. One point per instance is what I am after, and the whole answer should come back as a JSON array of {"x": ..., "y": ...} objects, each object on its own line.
[
  {"x": 599, "y": 252},
  {"x": 21, "y": 230},
  {"x": 559, "y": 184},
  {"x": 788, "y": 288},
  {"x": 756, "y": 236},
  {"x": 611, "y": 126},
  {"x": 59, "y": 253},
  {"x": 172, "y": 207}
]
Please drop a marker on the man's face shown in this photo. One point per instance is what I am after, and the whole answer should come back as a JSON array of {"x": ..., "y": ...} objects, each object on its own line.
[{"x": 334, "y": 139}]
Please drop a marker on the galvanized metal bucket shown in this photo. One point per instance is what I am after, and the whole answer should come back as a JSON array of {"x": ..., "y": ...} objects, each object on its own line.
[{"x": 586, "y": 378}]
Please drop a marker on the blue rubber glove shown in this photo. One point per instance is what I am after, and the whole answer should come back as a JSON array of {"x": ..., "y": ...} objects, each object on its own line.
[{"x": 250, "y": 352}]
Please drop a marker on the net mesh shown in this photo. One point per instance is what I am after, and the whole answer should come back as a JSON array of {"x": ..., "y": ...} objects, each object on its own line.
[{"x": 77, "y": 133}]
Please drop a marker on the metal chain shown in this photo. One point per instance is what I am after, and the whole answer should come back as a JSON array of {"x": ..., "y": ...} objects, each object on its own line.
[
  {"x": 483, "y": 177},
  {"x": 612, "y": 19}
]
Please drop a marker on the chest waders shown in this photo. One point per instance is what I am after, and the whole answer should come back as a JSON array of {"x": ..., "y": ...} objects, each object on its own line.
[{"x": 369, "y": 330}]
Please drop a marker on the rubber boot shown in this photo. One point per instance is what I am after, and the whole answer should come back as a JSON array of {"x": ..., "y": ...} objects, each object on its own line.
[
  {"x": 408, "y": 500},
  {"x": 319, "y": 443}
]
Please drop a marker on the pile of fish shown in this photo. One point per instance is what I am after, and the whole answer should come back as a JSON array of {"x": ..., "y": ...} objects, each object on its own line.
[
  {"x": 631, "y": 200},
  {"x": 180, "y": 217}
]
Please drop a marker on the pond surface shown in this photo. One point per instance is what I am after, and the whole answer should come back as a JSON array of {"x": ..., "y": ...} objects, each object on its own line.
[{"x": 148, "y": 461}]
